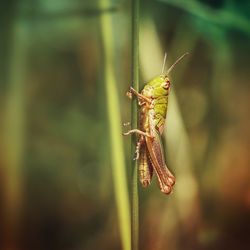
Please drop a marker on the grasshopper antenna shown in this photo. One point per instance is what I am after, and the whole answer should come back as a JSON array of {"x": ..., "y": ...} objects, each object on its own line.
[
  {"x": 164, "y": 62},
  {"x": 177, "y": 61}
]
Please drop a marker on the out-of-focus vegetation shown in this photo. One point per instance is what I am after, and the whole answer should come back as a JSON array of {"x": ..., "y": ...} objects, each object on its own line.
[{"x": 57, "y": 188}]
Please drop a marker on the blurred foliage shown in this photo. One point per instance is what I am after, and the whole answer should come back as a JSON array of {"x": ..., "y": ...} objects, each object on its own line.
[{"x": 56, "y": 180}]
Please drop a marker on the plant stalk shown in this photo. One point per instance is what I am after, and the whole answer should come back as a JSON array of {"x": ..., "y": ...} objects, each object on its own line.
[{"x": 134, "y": 121}]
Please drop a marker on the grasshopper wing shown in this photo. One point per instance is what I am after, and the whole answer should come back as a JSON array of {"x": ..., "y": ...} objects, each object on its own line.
[
  {"x": 155, "y": 148},
  {"x": 165, "y": 178}
]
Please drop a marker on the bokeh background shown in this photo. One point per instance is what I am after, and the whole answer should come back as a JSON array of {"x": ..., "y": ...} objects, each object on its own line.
[{"x": 61, "y": 128}]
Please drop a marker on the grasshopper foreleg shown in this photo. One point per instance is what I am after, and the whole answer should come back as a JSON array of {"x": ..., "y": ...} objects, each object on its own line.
[{"x": 141, "y": 98}]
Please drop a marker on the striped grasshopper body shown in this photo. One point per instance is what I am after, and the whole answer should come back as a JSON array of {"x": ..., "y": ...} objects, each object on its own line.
[{"x": 153, "y": 102}]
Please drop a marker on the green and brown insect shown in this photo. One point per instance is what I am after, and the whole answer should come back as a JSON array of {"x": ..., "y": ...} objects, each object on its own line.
[{"x": 153, "y": 102}]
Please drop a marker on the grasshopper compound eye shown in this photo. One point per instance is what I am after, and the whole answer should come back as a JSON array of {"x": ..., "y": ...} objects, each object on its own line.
[{"x": 166, "y": 84}]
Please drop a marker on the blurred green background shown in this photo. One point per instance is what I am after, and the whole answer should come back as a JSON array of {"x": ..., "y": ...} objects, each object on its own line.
[{"x": 58, "y": 147}]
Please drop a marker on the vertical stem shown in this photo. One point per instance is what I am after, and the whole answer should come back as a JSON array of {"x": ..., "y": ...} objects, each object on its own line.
[
  {"x": 115, "y": 131},
  {"x": 135, "y": 85}
]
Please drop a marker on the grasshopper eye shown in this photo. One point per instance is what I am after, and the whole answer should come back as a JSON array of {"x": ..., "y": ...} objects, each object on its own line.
[{"x": 166, "y": 85}]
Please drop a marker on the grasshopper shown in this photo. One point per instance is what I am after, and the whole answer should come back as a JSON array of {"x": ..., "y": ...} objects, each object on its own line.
[{"x": 153, "y": 102}]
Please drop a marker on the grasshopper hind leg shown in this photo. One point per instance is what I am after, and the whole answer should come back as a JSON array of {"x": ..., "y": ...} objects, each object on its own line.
[
  {"x": 145, "y": 167},
  {"x": 139, "y": 144}
]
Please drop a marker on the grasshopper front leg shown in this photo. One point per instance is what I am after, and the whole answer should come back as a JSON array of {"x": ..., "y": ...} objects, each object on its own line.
[{"x": 141, "y": 98}]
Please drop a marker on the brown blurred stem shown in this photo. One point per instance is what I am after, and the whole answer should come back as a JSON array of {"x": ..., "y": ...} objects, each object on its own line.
[{"x": 13, "y": 139}]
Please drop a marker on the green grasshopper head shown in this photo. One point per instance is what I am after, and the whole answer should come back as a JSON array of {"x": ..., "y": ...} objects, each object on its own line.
[{"x": 158, "y": 86}]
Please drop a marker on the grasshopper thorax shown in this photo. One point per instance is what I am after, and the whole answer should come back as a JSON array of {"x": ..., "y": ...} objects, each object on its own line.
[{"x": 157, "y": 87}]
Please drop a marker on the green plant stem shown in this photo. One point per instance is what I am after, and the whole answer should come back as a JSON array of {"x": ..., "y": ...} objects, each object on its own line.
[
  {"x": 135, "y": 85},
  {"x": 115, "y": 133}
]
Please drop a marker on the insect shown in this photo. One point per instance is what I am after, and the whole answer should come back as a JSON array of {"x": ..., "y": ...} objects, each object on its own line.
[{"x": 153, "y": 102}]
